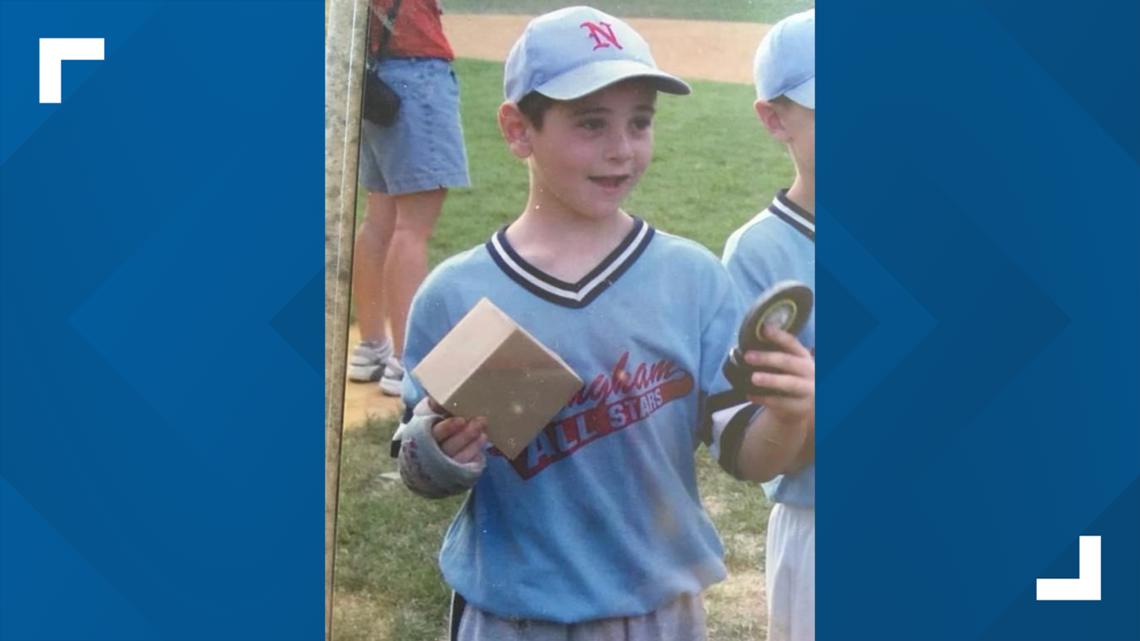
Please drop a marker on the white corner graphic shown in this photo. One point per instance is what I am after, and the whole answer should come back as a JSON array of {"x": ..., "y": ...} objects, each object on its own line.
[
  {"x": 53, "y": 51},
  {"x": 1086, "y": 587}
]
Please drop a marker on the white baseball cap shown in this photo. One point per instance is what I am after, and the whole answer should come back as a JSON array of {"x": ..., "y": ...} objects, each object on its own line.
[
  {"x": 785, "y": 60},
  {"x": 571, "y": 52}
]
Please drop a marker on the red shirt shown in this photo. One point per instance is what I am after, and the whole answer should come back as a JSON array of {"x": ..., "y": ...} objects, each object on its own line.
[{"x": 418, "y": 30}]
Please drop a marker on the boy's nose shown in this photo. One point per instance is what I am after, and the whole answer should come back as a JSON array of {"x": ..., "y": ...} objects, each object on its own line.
[{"x": 621, "y": 146}]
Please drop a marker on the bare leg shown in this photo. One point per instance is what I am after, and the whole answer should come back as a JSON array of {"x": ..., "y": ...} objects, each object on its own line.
[
  {"x": 373, "y": 240},
  {"x": 407, "y": 260}
]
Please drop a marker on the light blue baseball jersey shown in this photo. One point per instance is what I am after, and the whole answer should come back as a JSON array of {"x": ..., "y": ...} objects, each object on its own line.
[
  {"x": 778, "y": 244},
  {"x": 599, "y": 516}
]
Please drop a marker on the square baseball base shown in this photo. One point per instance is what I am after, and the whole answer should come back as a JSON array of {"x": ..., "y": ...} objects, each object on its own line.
[{"x": 488, "y": 365}]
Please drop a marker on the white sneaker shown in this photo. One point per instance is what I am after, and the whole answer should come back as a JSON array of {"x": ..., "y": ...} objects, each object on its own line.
[
  {"x": 366, "y": 363},
  {"x": 393, "y": 378}
]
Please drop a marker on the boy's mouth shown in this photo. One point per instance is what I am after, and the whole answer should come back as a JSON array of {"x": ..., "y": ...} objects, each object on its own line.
[{"x": 611, "y": 182}]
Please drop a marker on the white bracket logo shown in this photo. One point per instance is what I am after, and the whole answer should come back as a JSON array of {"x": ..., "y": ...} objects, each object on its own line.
[
  {"x": 53, "y": 51},
  {"x": 1086, "y": 587}
]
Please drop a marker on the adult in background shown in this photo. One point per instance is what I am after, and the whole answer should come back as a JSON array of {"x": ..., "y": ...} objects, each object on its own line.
[{"x": 407, "y": 169}]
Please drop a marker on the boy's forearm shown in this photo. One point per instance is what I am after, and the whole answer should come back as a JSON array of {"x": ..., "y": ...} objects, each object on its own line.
[
  {"x": 771, "y": 447},
  {"x": 807, "y": 452}
]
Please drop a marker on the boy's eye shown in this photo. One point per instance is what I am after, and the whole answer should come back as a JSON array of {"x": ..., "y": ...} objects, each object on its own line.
[
  {"x": 592, "y": 124},
  {"x": 642, "y": 123}
]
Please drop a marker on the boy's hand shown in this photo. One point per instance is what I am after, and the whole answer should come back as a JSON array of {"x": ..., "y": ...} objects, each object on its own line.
[
  {"x": 461, "y": 438},
  {"x": 793, "y": 376},
  {"x": 440, "y": 454}
]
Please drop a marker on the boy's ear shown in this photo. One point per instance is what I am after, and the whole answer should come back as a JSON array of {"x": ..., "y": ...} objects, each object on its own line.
[
  {"x": 773, "y": 121},
  {"x": 515, "y": 128}
]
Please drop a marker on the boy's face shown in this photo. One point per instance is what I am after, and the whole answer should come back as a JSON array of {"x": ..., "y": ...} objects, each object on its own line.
[
  {"x": 590, "y": 152},
  {"x": 794, "y": 125}
]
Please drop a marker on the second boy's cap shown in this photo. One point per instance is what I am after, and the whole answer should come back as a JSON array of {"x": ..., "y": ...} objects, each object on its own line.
[
  {"x": 785, "y": 60},
  {"x": 575, "y": 51}
]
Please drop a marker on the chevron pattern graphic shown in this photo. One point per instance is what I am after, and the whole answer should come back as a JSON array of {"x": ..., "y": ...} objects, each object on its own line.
[
  {"x": 162, "y": 250},
  {"x": 979, "y": 223}
]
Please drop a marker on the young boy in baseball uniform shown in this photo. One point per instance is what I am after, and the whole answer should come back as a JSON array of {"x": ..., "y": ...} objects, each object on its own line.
[
  {"x": 596, "y": 530},
  {"x": 779, "y": 244}
]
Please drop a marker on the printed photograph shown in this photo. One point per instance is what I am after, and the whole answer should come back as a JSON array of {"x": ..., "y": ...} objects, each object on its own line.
[{"x": 570, "y": 320}]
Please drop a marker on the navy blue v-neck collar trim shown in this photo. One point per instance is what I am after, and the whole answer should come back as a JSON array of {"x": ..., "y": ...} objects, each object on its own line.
[
  {"x": 589, "y": 287},
  {"x": 799, "y": 218}
]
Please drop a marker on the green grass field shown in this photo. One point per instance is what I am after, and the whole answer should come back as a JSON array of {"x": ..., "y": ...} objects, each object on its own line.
[
  {"x": 713, "y": 166},
  {"x": 713, "y": 169},
  {"x": 767, "y": 11}
]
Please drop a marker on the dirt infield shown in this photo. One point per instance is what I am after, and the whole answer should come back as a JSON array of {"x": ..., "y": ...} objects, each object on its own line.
[
  {"x": 693, "y": 49},
  {"x": 364, "y": 400}
]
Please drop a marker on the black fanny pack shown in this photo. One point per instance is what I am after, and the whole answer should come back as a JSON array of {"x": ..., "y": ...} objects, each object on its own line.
[{"x": 381, "y": 102}]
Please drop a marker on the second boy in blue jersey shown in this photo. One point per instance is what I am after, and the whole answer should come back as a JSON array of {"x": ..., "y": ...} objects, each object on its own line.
[{"x": 779, "y": 244}]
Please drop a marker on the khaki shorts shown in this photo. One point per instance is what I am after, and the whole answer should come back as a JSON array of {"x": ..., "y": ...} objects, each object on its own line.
[{"x": 682, "y": 619}]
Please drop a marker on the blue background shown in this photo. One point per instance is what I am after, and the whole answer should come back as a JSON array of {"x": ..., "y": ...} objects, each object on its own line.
[
  {"x": 979, "y": 223},
  {"x": 161, "y": 247}
]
